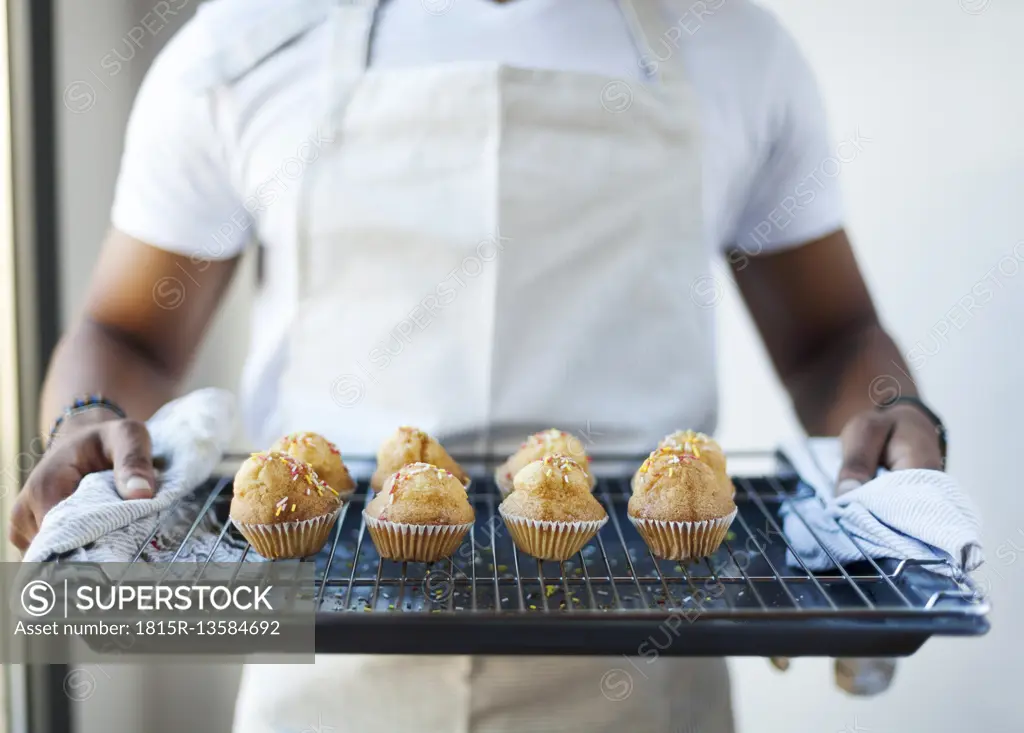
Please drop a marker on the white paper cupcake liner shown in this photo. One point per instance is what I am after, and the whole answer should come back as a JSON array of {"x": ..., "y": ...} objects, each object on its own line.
[
  {"x": 289, "y": 539},
  {"x": 550, "y": 540},
  {"x": 415, "y": 542},
  {"x": 683, "y": 540}
]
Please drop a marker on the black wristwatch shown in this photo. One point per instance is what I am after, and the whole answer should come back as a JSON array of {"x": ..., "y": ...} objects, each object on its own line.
[{"x": 940, "y": 428}]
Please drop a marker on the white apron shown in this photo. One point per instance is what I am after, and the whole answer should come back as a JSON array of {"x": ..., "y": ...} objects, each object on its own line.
[{"x": 485, "y": 251}]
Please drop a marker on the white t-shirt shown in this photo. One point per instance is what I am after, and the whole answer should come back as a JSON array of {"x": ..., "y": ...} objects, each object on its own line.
[{"x": 767, "y": 182}]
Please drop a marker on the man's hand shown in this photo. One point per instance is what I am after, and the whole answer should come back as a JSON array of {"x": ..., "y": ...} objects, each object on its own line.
[
  {"x": 122, "y": 445},
  {"x": 896, "y": 437},
  {"x": 138, "y": 331}
]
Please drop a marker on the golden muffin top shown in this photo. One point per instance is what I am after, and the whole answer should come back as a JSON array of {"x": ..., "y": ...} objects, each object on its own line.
[
  {"x": 703, "y": 448},
  {"x": 677, "y": 487},
  {"x": 545, "y": 443},
  {"x": 412, "y": 445},
  {"x": 554, "y": 488},
  {"x": 321, "y": 454},
  {"x": 691, "y": 443},
  {"x": 273, "y": 488},
  {"x": 422, "y": 493},
  {"x": 698, "y": 445}
]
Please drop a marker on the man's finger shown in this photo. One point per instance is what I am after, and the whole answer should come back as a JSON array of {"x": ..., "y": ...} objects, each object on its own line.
[
  {"x": 18, "y": 540},
  {"x": 23, "y": 525},
  {"x": 864, "y": 676},
  {"x": 127, "y": 445},
  {"x": 914, "y": 443},
  {"x": 863, "y": 440}
]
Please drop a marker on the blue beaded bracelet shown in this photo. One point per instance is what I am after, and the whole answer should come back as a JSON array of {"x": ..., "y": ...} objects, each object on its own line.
[{"x": 83, "y": 404}]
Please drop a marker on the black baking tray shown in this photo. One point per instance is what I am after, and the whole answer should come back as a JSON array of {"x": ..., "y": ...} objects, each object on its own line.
[{"x": 616, "y": 598}]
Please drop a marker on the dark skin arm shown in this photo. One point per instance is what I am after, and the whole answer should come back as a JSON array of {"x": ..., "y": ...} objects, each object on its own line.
[
  {"x": 144, "y": 316},
  {"x": 833, "y": 356},
  {"x": 134, "y": 340},
  {"x": 836, "y": 361}
]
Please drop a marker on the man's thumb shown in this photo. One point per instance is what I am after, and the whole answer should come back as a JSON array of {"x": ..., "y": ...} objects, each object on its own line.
[{"x": 129, "y": 448}]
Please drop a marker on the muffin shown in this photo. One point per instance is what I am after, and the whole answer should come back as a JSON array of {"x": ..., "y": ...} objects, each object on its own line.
[
  {"x": 421, "y": 514},
  {"x": 550, "y": 512},
  {"x": 680, "y": 507},
  {"x": 538, "y": 445},
  {"x": 702, "y": 447},
  {"x": 282, "y": 507},
  {"x": 322, "y": 455},
  {"x": 411, "y": 445}
]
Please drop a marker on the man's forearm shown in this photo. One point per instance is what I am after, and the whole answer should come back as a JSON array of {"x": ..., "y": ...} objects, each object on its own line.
[
  {"x": 93, "y": 359},
  {"x": 853, "y": 372}
]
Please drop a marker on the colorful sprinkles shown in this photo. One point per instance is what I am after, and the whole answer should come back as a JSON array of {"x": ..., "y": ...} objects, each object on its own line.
[
  {"x": 687, "y": 441},
  {"x": 413, "y": 469},
  {"x": 561, "y": 463},
  {"x": 308, "y": 440},
  {"x": 550, "y": 438},
  {"x": 673, "y": 457},
  {"x": 299, "y": 472},
  {"x": 413, "y": 433}
]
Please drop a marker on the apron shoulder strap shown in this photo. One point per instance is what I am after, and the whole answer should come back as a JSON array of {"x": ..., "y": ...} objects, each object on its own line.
[
  {"x": 247, "y": 32},
  {"x": 647, "y": 20}
]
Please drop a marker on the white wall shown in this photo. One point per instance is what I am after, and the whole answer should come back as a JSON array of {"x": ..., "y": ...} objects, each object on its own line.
[
  {"x": 934, "y": 204},
  {"x": 932, "y": 210}
]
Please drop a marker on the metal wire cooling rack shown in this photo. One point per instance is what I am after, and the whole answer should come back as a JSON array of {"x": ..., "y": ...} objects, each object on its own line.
[{"x": 615, "y": 597}]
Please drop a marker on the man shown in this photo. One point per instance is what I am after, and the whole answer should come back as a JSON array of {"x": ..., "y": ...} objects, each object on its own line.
[{"x": 482, "y": 219}]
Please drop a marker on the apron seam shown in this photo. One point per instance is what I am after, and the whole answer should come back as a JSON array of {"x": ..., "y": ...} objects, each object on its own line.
[{"x": 499, "y": 112}]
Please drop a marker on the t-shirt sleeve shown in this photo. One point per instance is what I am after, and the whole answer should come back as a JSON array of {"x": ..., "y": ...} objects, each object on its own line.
[
  {"x": 174, "y": 187},
  {"x": 795, "y": 195}
]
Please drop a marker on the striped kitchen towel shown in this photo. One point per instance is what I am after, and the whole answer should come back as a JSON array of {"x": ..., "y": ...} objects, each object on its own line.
[
  {"x": 912, "y": 514},
  {"x": 95, "y": 524}
]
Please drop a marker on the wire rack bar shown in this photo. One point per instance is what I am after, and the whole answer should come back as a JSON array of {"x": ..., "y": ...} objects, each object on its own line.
[
  {"x": 718, "y": 582},
  {"x": 746, "y": 578},
  {"x": 615, "y": 575},
  {"x": 775, "y": 573},
  {"x": 586, "y": 580},
  {"x": 774, "y": 483},
  {"x": 778, "y": 530},
  {"x": 355, "y": 561},
  {"x": 618, "y": 531},
  {"x": 472, "y": 565}
]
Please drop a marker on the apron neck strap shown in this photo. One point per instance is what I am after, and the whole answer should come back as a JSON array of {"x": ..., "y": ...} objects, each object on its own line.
[
  {"x": 353, "y": 24},
  {"x": 647, "y": 21},
  {"x": 352, "y": 27}
]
